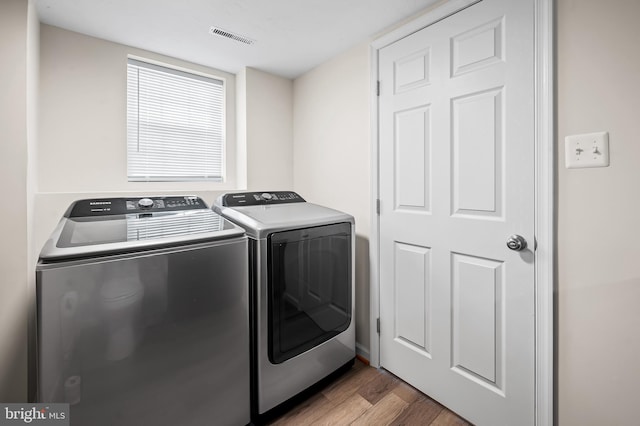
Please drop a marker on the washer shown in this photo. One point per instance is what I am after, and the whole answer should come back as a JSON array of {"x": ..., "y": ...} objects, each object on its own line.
[
  {"x": 301, "y": 283},
  {"x": 142, "y": 314}
]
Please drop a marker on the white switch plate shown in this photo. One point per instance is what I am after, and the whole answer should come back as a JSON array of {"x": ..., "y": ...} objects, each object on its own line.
[{"x": 588, "y": 150}]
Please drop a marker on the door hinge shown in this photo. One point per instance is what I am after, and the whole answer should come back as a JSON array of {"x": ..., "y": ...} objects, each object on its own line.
[
  {"x": 378, "y": 325},
  {"x": 378, "y": 206},
  {"x": 378, "y": 88}
]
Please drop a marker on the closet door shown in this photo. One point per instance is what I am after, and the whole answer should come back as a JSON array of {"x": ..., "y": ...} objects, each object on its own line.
[{"x": 457, "y": 211}]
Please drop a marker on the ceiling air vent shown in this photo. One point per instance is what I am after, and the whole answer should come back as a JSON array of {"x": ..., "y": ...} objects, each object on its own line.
[{"x": 228, "y": 34}]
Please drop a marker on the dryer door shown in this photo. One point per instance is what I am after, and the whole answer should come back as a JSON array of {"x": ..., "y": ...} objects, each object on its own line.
[{"x": 309, "y": 288}]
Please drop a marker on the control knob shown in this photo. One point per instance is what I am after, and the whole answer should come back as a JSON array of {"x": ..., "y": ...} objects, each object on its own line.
[
  {"x": 145, "y": 203},
  {"x": 266, "y": 196}
]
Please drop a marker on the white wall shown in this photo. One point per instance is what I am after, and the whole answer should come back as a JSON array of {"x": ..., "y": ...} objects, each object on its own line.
[
  {"x": 598, "y": 223},
  {"x": 17, "y": 32},
  {"x": 82, "y": 146},
  {"x": 331, "y": 154},
  {"x": 33, "y": 89},
  {"x": 268, "y": 129}
]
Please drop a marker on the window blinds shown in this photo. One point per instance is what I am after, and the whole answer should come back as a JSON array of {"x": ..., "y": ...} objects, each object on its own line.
[{"x": 175, "y": 125}]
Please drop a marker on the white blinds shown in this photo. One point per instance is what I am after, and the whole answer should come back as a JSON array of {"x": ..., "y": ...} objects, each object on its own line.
[{"x": 175, "y": 125}]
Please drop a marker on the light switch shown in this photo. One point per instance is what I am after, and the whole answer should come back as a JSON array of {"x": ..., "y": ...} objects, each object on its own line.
[{"x": 588, "y": 150}]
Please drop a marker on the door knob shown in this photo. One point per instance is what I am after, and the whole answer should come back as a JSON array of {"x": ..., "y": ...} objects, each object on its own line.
[{"x": 516, "y": 243}]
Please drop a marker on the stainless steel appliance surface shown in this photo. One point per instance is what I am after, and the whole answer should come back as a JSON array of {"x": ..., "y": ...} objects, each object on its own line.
[
  {"x": 302, "y": 275},
  {"x": 142, "y": 314}
]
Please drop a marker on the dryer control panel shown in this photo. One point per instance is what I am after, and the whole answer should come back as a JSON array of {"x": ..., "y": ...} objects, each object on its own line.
[
  {"x": 119, "y": 206},
  {"x": 260, "y": 198}
]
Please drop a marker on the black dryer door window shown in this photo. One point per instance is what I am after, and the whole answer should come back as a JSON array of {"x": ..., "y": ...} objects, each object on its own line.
[{"x": 310, "y": 274}]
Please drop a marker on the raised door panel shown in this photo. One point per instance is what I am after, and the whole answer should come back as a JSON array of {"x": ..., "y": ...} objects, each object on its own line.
[
  {"x": 412, "y": 282},
  {"x": 477, "y": 326},
  {"x": 478, "y": 47},
  {"x": 477, "y": 147},
  {"x": 412, "y": 71},
  {"x": 412, "y": 158}
]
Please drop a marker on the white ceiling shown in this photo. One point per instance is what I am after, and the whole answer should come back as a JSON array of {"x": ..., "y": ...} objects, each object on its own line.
[{"x": 291, "y": 36}]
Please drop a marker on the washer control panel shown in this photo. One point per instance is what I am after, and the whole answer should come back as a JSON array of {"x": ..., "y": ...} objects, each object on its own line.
[
  {"x": 116, "y": 206},
  {"x": 260, "y": 198}
]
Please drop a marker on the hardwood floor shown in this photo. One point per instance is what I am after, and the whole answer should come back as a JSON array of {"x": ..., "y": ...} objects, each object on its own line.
[{"x": 368, "y": 396}]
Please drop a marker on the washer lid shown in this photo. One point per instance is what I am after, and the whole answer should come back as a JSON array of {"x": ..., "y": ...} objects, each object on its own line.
[
  {"x": 261, "y": 220},
  {"x": 78, "y": 236}
]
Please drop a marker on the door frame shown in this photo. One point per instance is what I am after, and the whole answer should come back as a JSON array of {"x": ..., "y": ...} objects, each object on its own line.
[{"x": 545, "y": 234}]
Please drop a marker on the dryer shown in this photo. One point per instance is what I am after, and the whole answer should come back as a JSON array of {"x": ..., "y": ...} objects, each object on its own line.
[
  {"x": 142, "y": 314},
  {"x": 302, "y": 291}
]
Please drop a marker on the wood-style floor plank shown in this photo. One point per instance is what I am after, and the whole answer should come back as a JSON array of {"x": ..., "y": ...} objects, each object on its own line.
[
  {"x": 379, "y": 387},
  {"x": 423, "y": 411},
  {"x": 345, "y": 413},
  {"x": 307, "y": 411},
  {"x": 351, "y": 384},
  {"x": 366, "y": 396},
  {"x": 408, "y": 393},
  {"x": 383, "y": 412}
]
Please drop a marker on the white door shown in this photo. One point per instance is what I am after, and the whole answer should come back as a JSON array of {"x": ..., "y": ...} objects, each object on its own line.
[{"x": 456, "y": 181}]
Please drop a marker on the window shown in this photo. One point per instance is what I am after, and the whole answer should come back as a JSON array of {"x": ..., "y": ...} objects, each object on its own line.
[{"x": 175, "y": 125}]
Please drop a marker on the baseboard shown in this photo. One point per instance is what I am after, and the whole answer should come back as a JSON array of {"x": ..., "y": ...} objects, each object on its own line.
[{"x": 362, "y": 353}]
